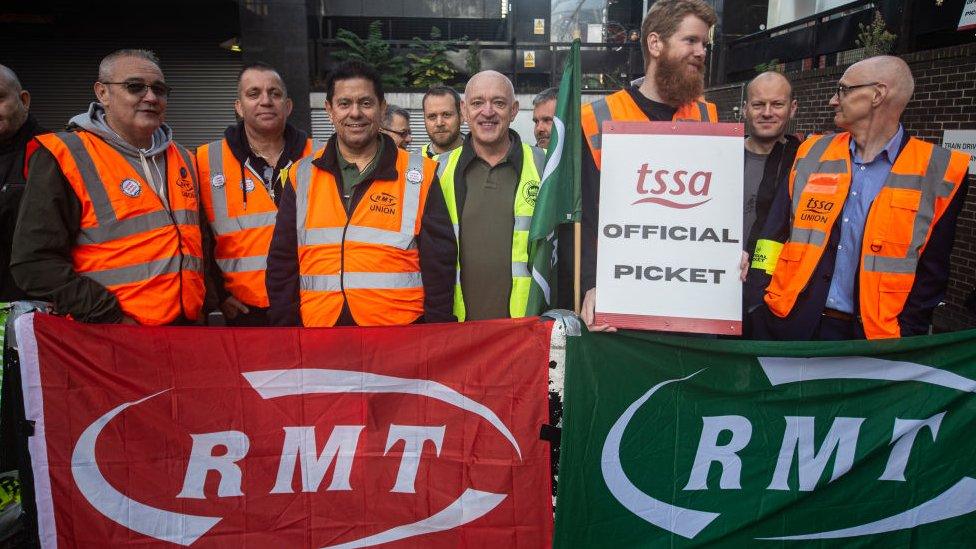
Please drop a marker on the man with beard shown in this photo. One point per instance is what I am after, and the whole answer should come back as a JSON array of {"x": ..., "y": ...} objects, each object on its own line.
[
  {"x": 674, "y": 35},
  {"x": 442, "y": 118},
  {"x": 769, "y": 151},
  {"x": 859, "y": 235},
  {"x": 490, "y": 184},
  {"x": 242, "y": 177},
  {"x": 543, "y": 111}
]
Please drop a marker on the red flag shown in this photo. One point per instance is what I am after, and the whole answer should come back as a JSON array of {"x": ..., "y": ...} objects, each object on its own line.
[{"x": 415, "y": 436}]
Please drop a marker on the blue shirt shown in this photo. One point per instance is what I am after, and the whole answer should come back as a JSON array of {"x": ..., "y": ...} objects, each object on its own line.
[{"x": 867, "y": 178}]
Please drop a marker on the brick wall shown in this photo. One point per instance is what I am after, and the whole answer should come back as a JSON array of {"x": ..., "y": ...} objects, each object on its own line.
[{"x": 945, "y": 99}]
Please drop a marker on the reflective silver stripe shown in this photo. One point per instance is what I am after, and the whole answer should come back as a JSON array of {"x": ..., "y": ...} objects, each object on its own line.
[
  {"x": 523, "y": 222},
  {"x": 703, "y": 111},
  {"x": 136, "y": 225},
  {"x": 811, "y": 163},
  {"x": 601, "y": 110},
  {"x": 319, "y": 236},
  {"x": 372, "y": 235},
  {"x": 320, "y": 283},
  {"x": 932, "y": 186},
  {"x": 539, "y": 159},
  {"x": 317, "y": 144},
  {"x": 303, "y": 180},
  {"x": 241, "y": 222},
  {"x": 104, "y": 212},
  {"x": 441, "y": 168},
  {"x": 457, "y": 231},
  {"x": 411, "y": 196},
  {"x": 243, "y": 264},
  {"x": 144, "y": 271},
  {"x": 808, "y": 236},
  {"x": 381, "y": 281},
  {"x": 218, "y": 193},
  {"x": 520, "y": 269}
]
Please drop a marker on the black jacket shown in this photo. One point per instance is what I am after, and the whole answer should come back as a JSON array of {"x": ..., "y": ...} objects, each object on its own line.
[
  {"x": 931, "y": 274},
  {"x": 436, "y": 245},
  {"x": 13, "y": 179}
]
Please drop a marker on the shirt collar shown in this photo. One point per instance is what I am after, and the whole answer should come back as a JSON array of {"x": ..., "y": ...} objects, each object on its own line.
[{"x": 891, "y": 149}]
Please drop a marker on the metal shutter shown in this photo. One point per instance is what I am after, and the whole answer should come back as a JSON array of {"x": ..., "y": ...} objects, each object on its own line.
[{"x": 60, "y": 79}]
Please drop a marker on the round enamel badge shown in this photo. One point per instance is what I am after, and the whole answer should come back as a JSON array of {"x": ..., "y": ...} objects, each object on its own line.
[
  {"x": 248, "y": 185},
  {"x": 130, "y": 187},
  {"x": 414, "y": 176},
  {"x": 217, "y": 180}
]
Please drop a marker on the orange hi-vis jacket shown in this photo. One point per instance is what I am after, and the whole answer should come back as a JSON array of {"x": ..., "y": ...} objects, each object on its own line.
[
  {"x": 242, "y": 229},
  {"x": 149, "y": 257},
  {"x": 368, "y": 260},
  {"x": 620, "y": 106},
  {"x": 919, "y": 188}
]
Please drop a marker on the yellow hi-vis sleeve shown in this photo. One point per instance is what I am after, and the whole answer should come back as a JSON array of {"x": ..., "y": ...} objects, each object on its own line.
[{"x": 766, "y": 255}]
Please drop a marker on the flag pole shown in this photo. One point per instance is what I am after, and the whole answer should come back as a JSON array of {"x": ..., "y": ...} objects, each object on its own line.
[{"x": 577, "y": 250}]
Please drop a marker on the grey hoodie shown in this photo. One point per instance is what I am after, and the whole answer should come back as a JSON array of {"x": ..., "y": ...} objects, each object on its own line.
[{"x": 150, "y": 162}]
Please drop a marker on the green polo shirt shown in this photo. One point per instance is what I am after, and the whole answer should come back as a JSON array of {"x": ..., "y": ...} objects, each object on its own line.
[{"x": 351, "y": 176}]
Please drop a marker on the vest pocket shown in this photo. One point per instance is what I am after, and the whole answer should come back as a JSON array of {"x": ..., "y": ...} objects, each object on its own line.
[
  {"x": 903, "y": 206},
  {"x": 893, "y": 290}
]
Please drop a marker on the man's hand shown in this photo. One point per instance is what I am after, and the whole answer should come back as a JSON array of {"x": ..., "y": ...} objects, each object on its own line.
[
  {"x": 231, "y": 307},
  {"x": 588, "y": 313},
  {"x": 744, "y": 266}
]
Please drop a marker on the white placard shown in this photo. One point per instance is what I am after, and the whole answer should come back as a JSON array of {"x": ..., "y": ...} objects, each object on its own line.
[
  {"x": 968, "y": 18},
  {"x": 964, "y": 141},
  {"x": 670, "y": 231}
]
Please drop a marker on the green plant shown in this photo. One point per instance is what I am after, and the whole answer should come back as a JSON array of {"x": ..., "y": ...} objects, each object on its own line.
[
  {"x": 431, "y": 66},
  {"x": 874, "y": 37},
  {"x": 473, "y": 59},
  {"x": 771, "y": 65},
  {"x": 373, "y": 51}
]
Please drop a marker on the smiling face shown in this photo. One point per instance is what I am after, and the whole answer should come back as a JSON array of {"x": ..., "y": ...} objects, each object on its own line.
[
  {"x": 262, "y": 103},
  {"x": 489, "y": 107},
  {"x": 679, "y": 61},
  {"x": 768, "y": 107},
  {"x": 356, "y": 112},
  {"x": 134, "y": 116}
]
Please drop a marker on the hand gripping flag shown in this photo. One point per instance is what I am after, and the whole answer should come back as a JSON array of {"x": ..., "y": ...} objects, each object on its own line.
[{"x": 559, "y": 193}]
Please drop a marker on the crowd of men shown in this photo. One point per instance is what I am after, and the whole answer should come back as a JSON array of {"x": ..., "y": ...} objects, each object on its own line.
[{"x": 846, "y": 235}]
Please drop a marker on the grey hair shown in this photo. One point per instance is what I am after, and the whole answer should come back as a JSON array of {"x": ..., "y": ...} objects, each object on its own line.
[
  {"x": 105, "y": 67},
  {"x": 549, "y": 94},
  {"x": 7, "y": 74},
  {"x": 394, "y": 109}
]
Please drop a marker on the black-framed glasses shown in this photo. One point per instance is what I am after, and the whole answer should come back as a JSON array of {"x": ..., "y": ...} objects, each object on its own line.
[
  {"x": 159, "y": 89},
  {"x": 402, "y": 134},
  {"x": 843, "y": 90}
]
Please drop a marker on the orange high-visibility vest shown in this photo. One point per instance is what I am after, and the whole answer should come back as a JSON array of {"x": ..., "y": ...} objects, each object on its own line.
[
  {"x": 368, "y": 260},
  {"x": 922, "y": 183},
  {"x": 242, "y": 231},
  {"x": 149, "y": 257},
  {"x": 620, "y": 106}
]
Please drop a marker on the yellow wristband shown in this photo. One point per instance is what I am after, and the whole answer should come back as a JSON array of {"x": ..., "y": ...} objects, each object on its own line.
[{"x": 766, "y": 255}]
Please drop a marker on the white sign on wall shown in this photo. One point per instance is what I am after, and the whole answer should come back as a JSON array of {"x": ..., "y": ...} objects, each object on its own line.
[
  {"x": 968, "y": 18},
  {"x": 670, "y": 231},
  {"x": 964, "y": 141}
]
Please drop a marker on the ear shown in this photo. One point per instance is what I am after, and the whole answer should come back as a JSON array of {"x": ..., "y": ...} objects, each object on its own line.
[
  {"x": 654, "y": 45},
  {"x": 880, "y": 94},
  {"x": 101, "y": 92},
  {"x": 464, "y": 112},
  {"x": 289, "y": 105},
  {"x": 328, "y": 111},
  {"x": 515, "y": 109},
  {"x": 793, "y": 105},
  {"x": 25, "y": 98},
  {"x": 237, "y": 109}
]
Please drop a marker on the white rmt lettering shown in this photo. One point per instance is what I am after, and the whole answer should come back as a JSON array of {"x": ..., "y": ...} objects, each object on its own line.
[
  {"x": 710, "y": 451},
  {"x": 798, "y": 441},
  {"x": 414, "y": 437},
  {"x": 203, "y": 460},
  {"x": 299, "y": 446},
  {"x": 903, "y": 439}
]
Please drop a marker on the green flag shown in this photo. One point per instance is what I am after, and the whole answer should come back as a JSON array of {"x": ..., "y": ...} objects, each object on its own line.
[
  {"x": 558, "y": 200},
  {"x": 679, "y": 442}
]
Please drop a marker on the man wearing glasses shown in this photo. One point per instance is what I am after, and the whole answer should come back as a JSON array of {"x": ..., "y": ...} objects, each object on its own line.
[
  {"x": 396, "y": 124},
  {"x": 109, "y": 226},
  {"x": 857, "y": 243}
]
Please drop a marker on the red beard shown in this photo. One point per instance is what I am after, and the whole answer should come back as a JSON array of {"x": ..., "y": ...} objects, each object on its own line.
[{"x": 675, "y": 84}]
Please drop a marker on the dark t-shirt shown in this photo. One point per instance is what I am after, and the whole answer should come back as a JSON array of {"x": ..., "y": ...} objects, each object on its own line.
[{"x": 755, "y": 166}]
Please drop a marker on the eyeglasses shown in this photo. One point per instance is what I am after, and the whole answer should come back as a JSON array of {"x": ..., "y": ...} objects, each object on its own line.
[
  {"x": 402, "y": 134},
  {"x": 843, "y": 90},
  {"x": 159, "y": 89}
]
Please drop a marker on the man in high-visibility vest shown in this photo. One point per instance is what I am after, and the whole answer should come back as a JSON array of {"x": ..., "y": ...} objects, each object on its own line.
[
  {"x": 543, "y": 112},
  {"x": 442, "y": 119},
  {"x": 362, "y": 235},
  {"x": 109, "y": 228},
  {"x": 674, "y": 35},
  {"x": 242, "y": 176},
  {"x": 857, "y": 243},
  {"x": 490, "y": 184}
]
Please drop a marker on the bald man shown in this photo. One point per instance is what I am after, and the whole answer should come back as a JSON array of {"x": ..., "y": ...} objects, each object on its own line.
[
  {"x": 857, "y": 243},
  {"x": 490, "y": 184}
]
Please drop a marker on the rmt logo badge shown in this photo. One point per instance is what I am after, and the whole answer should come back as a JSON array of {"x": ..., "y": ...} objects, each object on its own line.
[
  {"x": 679, "y": 189},
  {"x": 384, "y": 203}
]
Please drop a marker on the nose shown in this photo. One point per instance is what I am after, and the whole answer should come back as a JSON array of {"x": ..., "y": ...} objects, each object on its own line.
[
  {"x": 700, "y": 50},
  {"x": 834, "y": 100},
  {"x": 150, "y": 96},
  {"x": 767, "y": 110}
]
